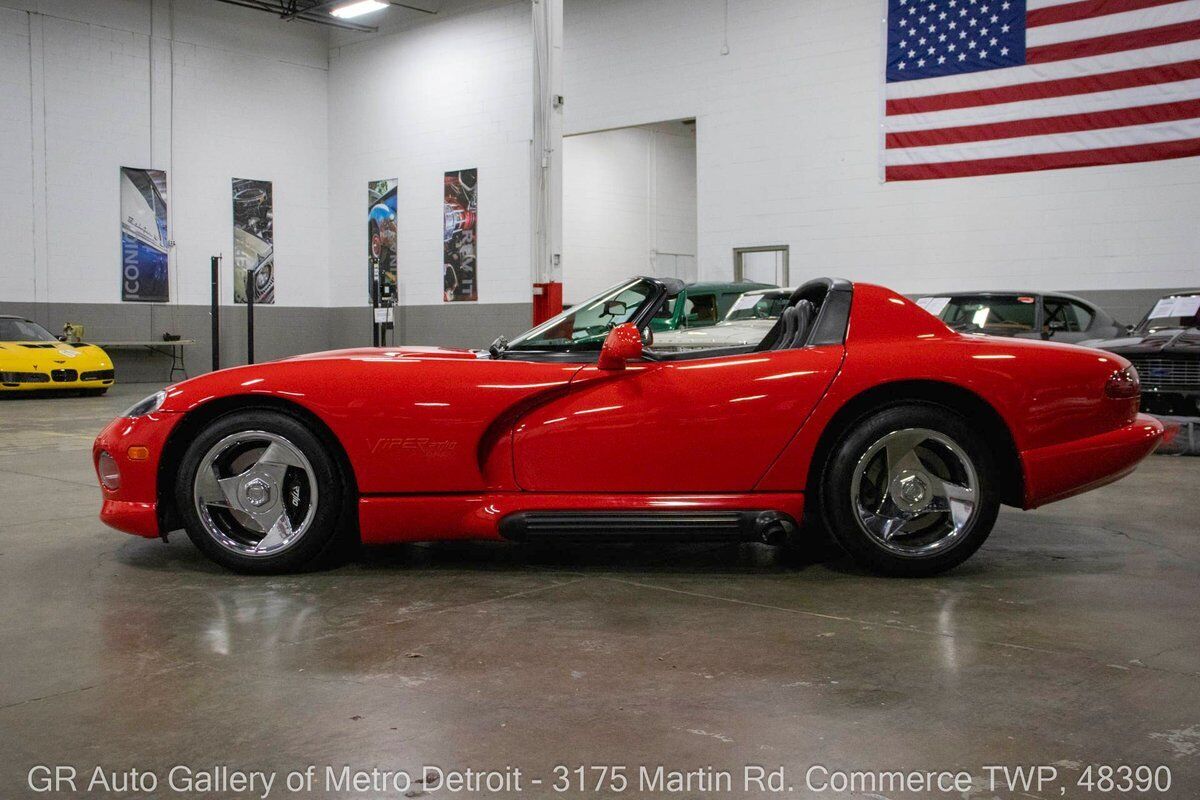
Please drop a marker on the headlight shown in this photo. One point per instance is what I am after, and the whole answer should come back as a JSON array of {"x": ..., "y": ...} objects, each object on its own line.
[
  {"x": 110, "y": 474},
  {"x": 148, "y": 406}
]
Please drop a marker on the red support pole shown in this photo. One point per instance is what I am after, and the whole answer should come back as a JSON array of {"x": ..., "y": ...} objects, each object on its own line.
[{"x": 547, "y": 301}]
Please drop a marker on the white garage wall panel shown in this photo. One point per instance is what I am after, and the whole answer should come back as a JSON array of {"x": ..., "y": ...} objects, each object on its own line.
[
  {"x": 16, "y": 170},
  {"x": 452, "y": 92},
  {"x": 629, "y": 206},
  {"x": 78, "y": 93},
  {"x": 788, "y": 133},
  {"x": 241, "y": 114}
]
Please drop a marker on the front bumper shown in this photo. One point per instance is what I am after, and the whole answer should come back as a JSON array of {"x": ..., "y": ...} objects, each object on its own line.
[
  {"x": 56, "y": 380},
  {"x": 1071, "y": 468},
  {"x": 133, "y": 506}
]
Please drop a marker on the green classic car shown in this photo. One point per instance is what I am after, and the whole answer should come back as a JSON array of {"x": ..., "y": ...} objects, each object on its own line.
[
  {"x": 701, "y": 304},
  {"x": 697, "y": 305}
]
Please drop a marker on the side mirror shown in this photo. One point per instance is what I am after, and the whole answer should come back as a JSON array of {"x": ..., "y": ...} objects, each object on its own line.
[
  {"x": 623, "y": 343},
  {"x": 1129, "y": 329}
]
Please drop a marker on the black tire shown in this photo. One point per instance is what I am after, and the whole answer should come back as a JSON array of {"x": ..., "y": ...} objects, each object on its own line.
[
  {"x": 326, "y": 537},
  {"x": 838, "y": 506}
]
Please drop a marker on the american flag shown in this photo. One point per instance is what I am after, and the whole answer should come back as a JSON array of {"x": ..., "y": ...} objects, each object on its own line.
[{"x": 982, "y": 87}]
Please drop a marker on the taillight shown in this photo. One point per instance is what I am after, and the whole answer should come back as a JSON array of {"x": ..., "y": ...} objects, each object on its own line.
[
  {"x": 110, "y": 474},
  {"x": 1123, "y": 384}
]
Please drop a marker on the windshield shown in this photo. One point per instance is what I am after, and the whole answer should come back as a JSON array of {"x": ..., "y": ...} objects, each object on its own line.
[
  {"x": 585, "y": 326},
  {"x": 998, "y": 315},
  {"x": 1173, "y": 312},
  {"x": 22, "y": 330},
  {"x": 758, "y": 306}
]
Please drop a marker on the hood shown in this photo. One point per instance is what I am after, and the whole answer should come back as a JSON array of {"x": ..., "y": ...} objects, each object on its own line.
[
  {"x": 723, "y": 334},
  {"x": 1179, "y": 341},
  {"x": 62, "y": 353},
  {"x": 453, "y": 353}
]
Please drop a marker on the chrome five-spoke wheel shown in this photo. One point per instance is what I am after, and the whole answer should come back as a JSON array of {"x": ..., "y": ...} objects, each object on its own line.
[
  {"x": 910, "y": 489},
  {"x": 255, "y": 493},
  {"x": 915, "y": 492}
]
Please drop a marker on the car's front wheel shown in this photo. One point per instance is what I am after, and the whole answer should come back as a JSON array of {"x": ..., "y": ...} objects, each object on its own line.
[
  {"x": 910, "y": 490},
  {"x": 259, "y": 492}
]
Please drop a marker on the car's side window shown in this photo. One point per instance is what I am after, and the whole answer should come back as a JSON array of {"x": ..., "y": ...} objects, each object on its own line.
[
  {"x": 701, "y": 310},
  {"x": 1063, "y": 315},
  {"x": 1083, "y": 314}
]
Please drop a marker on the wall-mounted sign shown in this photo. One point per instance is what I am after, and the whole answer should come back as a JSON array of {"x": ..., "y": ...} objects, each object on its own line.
[
  {"x": 460, "y": 215},
  {"x": 253, "y": 239},
  {"x": 381, "y": 235},
  {"x": 144, "y": 239}
]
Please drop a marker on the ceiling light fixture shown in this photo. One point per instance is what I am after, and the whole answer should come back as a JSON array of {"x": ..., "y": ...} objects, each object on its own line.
[{"x": 357, "y": 9}]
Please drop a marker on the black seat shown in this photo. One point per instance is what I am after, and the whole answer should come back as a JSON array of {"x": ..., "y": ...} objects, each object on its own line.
[
  {"x": 788, "y": 320},
  {"x": 804, "y": 319},
  {"x": 797, "y": 320}
]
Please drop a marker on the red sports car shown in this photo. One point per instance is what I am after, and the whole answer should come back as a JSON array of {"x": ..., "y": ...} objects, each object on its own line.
[{"x": 858, "y": 411}]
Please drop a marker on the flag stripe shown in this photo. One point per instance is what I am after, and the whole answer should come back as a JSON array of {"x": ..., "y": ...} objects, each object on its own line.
[
  {"x": 1063, "y": 87},
  {"x": 1148, "y": 37},
  {"x": 1050, "y": 143},
  {"x": 1047, "y": 107},
  {"x": 1120, "y": 22},
  {"x": 1069, "y": 12},
  {"x": 1115, "y": 118},
  {"x": 1053, "y": 70},
  {"x": 1181, "y": 148},
  {"x": 1034, "y": 5}
]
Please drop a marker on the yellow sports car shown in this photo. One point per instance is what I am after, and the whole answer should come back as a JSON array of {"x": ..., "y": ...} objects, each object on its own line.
[{"x": 32, "y": 359}]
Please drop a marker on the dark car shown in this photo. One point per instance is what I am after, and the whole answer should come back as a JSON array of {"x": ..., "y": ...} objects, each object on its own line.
[
  {"x": 1165, "y": 348},
  {"x": 1026, "y": 315}
]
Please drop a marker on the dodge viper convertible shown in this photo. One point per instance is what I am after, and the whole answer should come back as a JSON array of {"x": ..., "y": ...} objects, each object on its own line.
[
  {"x": 858, "y": 411},
  {"x": 33, "y": 360}
]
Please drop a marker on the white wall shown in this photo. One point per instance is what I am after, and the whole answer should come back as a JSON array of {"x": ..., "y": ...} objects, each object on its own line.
[
  {"x": 629, "y": 206},
  {"x": 208, "y": 92},
  {"x": 17, "y": 278},
  {"x": 448, "y": 92},
  {"x": 788, "y": 136},
  {"x": 786, "y": 150}
]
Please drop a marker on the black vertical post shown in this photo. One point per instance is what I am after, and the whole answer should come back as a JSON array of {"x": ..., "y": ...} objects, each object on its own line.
[
  {"x": 216, "y": 313},
  {"x": 375, "y": 327},
  {"x": 250, "y": 316}
]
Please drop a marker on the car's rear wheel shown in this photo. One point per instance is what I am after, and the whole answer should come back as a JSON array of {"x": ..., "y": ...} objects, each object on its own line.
[
  {"x": 259, "y": 492},
  {"x": 910, "y": 490}
]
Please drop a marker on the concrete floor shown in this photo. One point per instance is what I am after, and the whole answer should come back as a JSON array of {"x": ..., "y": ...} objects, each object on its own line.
[{"x": 1072, "y": 638}]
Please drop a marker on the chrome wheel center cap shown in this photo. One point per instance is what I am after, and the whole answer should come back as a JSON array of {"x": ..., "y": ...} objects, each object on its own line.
[
  {"x": 258, "y": 492},
  {"x": 911, "y": 492}
]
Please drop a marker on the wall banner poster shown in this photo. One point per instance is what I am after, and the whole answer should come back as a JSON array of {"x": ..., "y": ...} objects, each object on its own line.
[
  {"x": 460, "y": 215},
  {"x": 144, "y": 238},
  {"x": 253, "y": 239}
]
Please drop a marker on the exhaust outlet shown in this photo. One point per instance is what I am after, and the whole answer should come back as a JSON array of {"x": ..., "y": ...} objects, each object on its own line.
[{"x": 774, "y": 528}]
